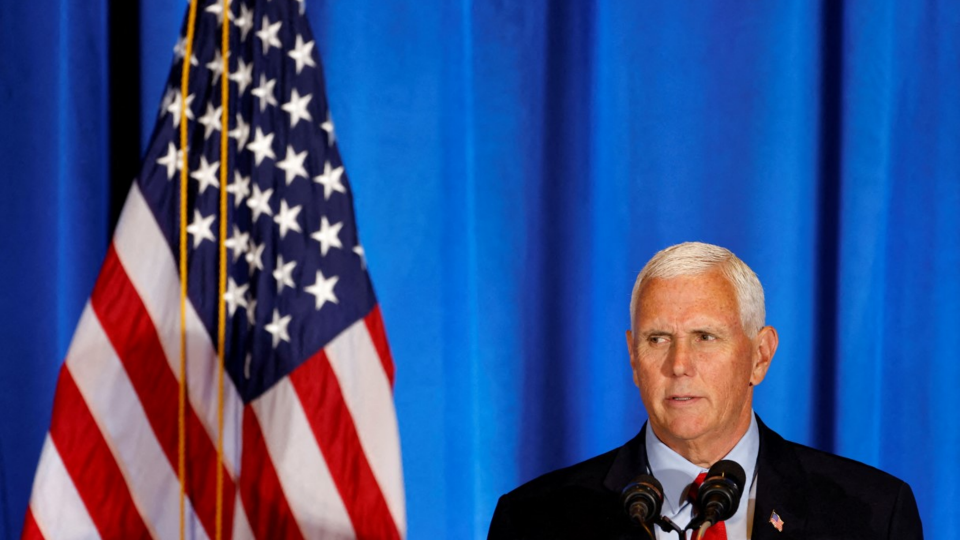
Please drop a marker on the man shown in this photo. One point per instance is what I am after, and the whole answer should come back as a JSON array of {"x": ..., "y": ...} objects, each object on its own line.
[{"x": 698, "y": 347}]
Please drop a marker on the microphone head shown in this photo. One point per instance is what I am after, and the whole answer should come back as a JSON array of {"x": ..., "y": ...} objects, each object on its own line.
[
  {"x": 642, "y": 499},
  {"x": 719, "y": 495}
]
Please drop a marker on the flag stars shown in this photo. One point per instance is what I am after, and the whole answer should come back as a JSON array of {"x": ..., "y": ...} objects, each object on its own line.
[
  {"x": 255, "y": 259},
  {"x": 330, "y": 180},
  {"x": 297, "y": 107},
  {"x": 244, "y": 22},
  {"x": 243, "y": 76},
  {"x": 302, "y": 54},
  {"x": 327, "y": 126},
  {"x": 241, "y": 132},
  {"x": 211, "y": 120},
  {"x": 216, "y": 67},
  {"x": 292, "y": 164},
  {"x": 237, "y": 243},
  {"x": 217, "y": 9},
  {"x": 328, "y": 236},
  {"x": 264, "y": 92},
  {"x": 262, "y": 146},
  {"x": 174, "y": 108},
  {"x": 268, "y": 34},
  {"x": 322, "y": 290},
  {"x": 278, "y": 328},
  {"x": 358, "y": 250},
  {"x": 200, "y": 228},
  {"x": 235, "y": 296},
  {"x": 173, "y": 161},
  {"x": 283, "y": 273},
  {"x": 252, "y": 312},
  {"x": 239, "y": 188},
  {"x": 259, "y": 202},
  {"x": 206, "y": 174},
  {"x": 287, "y": 219}
]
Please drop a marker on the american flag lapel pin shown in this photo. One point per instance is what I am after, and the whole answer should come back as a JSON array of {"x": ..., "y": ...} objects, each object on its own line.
[{"x": 776, "y": 521}]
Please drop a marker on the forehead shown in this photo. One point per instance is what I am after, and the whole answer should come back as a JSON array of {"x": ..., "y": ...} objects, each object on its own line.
[{"x": 709, "y": 295}]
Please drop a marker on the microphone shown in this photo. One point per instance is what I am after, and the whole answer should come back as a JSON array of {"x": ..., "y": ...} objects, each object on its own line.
[
  {"x": 642, "y": 500},
  {"x": 719, "y": 494}
]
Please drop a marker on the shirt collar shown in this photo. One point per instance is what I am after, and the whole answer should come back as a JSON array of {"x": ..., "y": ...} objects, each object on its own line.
[{"x": 676, "y": 474}]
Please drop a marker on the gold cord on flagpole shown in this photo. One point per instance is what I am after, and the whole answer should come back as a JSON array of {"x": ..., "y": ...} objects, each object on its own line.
[
  {"x": 184, "y": 172},
  {"x": 222, "y": 285}
]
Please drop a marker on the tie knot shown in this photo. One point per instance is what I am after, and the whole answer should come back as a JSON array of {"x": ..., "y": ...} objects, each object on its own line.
[{"x": 695, "y": 487}]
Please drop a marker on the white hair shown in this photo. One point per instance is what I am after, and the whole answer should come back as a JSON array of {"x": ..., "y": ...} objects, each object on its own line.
[{"x": 695, "y": 258}]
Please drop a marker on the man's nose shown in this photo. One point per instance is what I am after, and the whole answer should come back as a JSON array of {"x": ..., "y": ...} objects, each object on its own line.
[{"x": 681, "y": 358}]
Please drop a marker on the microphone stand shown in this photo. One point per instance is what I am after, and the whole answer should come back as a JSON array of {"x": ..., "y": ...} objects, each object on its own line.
[{"x": 667, "y": 526}]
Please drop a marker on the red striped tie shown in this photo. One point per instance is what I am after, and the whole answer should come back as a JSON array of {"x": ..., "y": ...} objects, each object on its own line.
[{"x": 717, "y": 531}]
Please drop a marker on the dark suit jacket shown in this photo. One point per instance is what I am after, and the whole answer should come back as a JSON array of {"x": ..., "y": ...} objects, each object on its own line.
[{"x": 816, "y": 494}]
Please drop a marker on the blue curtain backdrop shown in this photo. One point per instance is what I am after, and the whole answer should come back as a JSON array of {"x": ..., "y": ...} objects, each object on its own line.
[{"x": 514, "y": 165}]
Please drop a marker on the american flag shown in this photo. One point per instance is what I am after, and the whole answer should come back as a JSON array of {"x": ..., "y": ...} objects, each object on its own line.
[{"x": 310, "y": 442}]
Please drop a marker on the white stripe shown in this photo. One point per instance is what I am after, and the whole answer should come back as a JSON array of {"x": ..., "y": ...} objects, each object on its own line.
[
  {"x": 56, "y": 505},
  {"x": 152, "y": 268},
  {"x": 369, "y": 398},
  {"x": 115, "y": 406},
  {"x": 304, "y": 476},
  {"x": 241, "y": 528}
]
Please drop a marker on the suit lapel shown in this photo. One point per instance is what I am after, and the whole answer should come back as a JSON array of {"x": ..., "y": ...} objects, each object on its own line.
[
  {"x": 630, "y": 462},
  {"x": 780, "y": 488}
]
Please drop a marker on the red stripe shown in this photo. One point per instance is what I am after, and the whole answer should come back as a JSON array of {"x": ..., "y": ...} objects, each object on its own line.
[
  {"x": 330, "y": 421},
  {"x": 267, "y": 510},
  {"x": 378, "y": 334},
  {"x": 30, "y": 529},
  {"x": 91, "y": 465},
  {"x": 134, "y": 338}
]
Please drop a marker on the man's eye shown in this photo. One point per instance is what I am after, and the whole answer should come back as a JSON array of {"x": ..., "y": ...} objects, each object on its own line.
[
  {"x": 707, "y": 337},
  {"x": 653, "y": 340}
]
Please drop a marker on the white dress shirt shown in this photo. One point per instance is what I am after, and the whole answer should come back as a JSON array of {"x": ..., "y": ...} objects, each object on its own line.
[{"x": 677, "y": 474}]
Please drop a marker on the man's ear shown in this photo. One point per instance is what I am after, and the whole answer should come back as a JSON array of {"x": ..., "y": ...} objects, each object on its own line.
[
  {"x": 765, "y": 346},
  {"x": 633, "y": 366}
]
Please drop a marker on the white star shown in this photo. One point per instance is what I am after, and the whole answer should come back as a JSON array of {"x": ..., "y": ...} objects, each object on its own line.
[
  {"x": 235, "y": 296},
  {"x": 268, "y": 34},
  {"x": 243, "y": 76},
  {"x": 297, "y": 107},
  {"x": 278, "y": 328},
  {"x": 264, "y": 92},
  {"x": 237, "y": 243},
  {"x": 168, "y": 97},
  {"x": 358, "y": 249},
  {"x": 244, "y": 22},
  {"x": 241, "y": 133},
  {"x": 172, "y": 161},
  {"x": 302, "y": 54},
  {"x": 292, "y": 165},
  {"x": 287, "y": 218},
  {"x": 252, "y": 311},
  {"x": 284, "y": 274},
  {"x": 216, "y": 66},
  {"x": 330, "y": 180},
  {"x": 210, "y": 120},
  {"x": 328, "y": 236},
  {"x": 180, "y": 50},
  {"x": 255, "y": 258},
  {"x": 327, "y": 126},
  {"x": 174, "y": 108},
  {"x": 260, "y": 202},
  {"x": 262, "y": 146},
  {"x": 303, "y": 6},
  {"x": 322, "y": 289},
  {"x": 207, "y": 174},
  {"x": 200, "y": 228},
  {"x": 217, "y": 10},
  {"x": 240, "y": 188}
]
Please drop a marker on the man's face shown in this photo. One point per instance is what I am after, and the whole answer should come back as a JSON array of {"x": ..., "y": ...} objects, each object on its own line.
[{"x": 693, "y": 362}]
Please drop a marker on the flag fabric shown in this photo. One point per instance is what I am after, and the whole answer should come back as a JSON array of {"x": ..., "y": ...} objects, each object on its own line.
[{"x": 310, "y": 442}]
